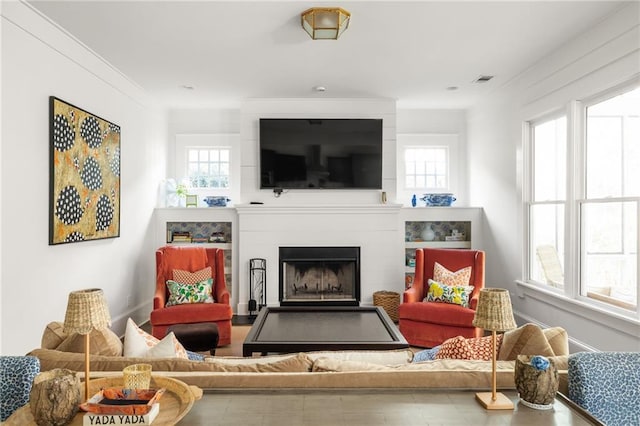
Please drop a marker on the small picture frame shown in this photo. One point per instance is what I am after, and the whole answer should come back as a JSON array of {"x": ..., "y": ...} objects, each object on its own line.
[{"x": 191, "y": 200}]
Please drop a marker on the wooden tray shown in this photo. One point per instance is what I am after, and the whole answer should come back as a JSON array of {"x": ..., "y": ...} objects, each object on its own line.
[{"x": 174, "y": 404}]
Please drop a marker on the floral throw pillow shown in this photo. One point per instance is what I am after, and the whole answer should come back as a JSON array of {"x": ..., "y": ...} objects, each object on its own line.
[
  {"x": 186, "y": 277},
  {"x": 445, "y": 276},
  {"x": 180, "y": 293},
  {"x": 457, "y": 295}
]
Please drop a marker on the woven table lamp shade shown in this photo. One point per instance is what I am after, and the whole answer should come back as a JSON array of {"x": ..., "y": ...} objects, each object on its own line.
[
  {"x": 87, "y": 310},
  {"x": 494, "y": 310},
  {"x": 494, "y": 313}
]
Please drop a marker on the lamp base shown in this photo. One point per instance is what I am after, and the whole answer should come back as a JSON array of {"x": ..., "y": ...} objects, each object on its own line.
[{"x": 501, "y": 403}]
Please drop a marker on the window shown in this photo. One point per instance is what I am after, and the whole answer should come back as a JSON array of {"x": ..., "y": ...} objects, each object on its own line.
[
  {"x": 547, "y": 204},
  {"x": 609, "y": 208},
  {"x": 588, "y": 201},
  {"x": 209, "y": 164},
  {"x": 427, "y": 168},
  {"x": 208, "y": 167},
  {"x": 428, "y": 163}
]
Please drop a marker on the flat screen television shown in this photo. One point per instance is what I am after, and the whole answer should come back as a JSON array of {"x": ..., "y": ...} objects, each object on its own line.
[{"x": 326, "y": 153}]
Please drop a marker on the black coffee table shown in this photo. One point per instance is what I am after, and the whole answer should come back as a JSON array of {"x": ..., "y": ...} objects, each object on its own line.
[{"x": 313, "y": 328}]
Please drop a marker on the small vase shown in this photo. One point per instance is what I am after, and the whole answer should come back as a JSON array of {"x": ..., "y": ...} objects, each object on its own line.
[
  {"x": 537, "y": 388},
  {"x": 428, "y": 234}
]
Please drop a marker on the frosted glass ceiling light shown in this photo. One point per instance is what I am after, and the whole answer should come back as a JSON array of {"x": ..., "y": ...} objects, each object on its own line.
[{"x": 325, "y": 23}]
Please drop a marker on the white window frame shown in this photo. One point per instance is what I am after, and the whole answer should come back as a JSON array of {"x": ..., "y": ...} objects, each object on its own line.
[
  {"x": 528, "y": 196},
  {"x": 575, "y": 193},
  {"x": 207, "y": 141},
  {"x": 428, "y": 140}
]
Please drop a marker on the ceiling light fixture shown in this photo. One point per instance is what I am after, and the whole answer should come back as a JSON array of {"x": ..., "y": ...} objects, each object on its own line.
[
  {"x": 325, "y": 23},
  {"x": 483, "y": 79}
]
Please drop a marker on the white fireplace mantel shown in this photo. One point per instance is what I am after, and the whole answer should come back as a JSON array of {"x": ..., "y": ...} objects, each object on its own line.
[{"x": 376, "y": 229}]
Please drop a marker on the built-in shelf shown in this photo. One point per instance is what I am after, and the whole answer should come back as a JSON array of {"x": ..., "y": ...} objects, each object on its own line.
[
  {"x": 206, "y": 223},
  {"x": 438, "y": 244},
  {"x": 432, "y": 227},
  {"x": 223, "y": 246}
]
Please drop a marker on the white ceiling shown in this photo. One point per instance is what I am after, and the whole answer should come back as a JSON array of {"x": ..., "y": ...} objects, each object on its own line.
[{"x": 410, "y": 51}]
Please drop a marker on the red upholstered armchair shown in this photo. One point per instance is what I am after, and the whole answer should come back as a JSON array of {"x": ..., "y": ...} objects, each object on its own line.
[
  {"x": 428, "y": 324},
  {"x": 191, "y": 259}
]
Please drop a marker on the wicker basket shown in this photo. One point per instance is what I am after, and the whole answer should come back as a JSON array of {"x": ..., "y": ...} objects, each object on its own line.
[{"x": 389, "y": 301}]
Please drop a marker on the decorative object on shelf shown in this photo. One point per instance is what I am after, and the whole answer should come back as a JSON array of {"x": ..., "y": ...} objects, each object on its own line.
[
  {"x": 217, "y": 237},
  {"x": 55, "y": 397},
  {"x": 87, "y": 310},
  {"x": 84, "y": 184},
  {"x": 137, "y": 376},
  {"x": 257, "y": 285},
  {"x": 172, "y": 199},
  {"x": 494, "y": 313},
  {"x": 455, "y": 236},
  {"x": 428, "y": 234},
  {"x": 536, "y": 379},
  {"x": 215, "y": 201},
  {"x": 191, "y": 200},
  {"x": 414, "y": 200},
  {"x": 325, "y": 23},
  {"x": 438, "y": 200}
]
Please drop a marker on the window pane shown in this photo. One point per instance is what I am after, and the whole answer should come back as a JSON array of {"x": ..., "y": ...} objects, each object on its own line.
[
  {"x": 208, "y": 168},
  {"x": 609, "y": 252},
  {"x": 426, "y": 168},
  {"x": 604, "y": 152},
  {"x": 549, "y": 159},
  {"x": 546, "y": 239},
  {"x": 612, "y": 145}
]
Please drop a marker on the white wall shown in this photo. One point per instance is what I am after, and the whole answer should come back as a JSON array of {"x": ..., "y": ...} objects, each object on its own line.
[
  {"x": 603, "y": 57},
  {"x": 448, "y": 122},
  {"x": 40, "y": 60}
]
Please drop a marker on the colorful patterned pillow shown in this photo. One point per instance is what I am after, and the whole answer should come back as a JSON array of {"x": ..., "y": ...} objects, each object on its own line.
[
  {"x": 476, "y": 348},
  {"x": 190, "y": 293},
  {"x": 139, "y": 343},
  {"x": 445, "y": 276},
  {"x": 442, "y": 293},
  {"x": 186, "y": 277}
]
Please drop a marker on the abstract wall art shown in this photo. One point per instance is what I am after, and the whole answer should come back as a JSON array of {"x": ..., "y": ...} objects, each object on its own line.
[{"x": 84, "y": 182}]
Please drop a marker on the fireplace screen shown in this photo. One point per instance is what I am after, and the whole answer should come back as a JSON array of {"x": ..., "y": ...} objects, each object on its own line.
[{"x": 320, "y": 275}]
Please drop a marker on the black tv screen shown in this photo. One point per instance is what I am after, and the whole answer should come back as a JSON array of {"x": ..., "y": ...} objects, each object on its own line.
[{"x": 320, "y": 153}]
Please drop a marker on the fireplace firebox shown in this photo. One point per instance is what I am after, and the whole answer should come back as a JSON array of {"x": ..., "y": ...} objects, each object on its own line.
[{"x": 314, "y": 276}]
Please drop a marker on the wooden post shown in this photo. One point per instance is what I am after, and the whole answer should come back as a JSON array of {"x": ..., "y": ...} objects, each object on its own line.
[{"x": 86, "y": 367}]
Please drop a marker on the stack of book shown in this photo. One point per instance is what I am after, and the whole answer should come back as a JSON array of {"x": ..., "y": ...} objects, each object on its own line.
[
  {"x": 92, "y": 419},
  {"x": 199, "y": 238},
  {"x": 181, "y": 237}
]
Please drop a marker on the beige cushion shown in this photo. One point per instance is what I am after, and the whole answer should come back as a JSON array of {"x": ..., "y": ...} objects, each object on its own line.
[
  {"x": 558, "y": 340},
  {"x": 528, "y": 339},
  {"x": 293, "y": 364},
  {"x": 335, "y": 365},
  {"x": 392, "y": 357},
  {"x": 233, "y": 360},
  {"x": 53, "y": 335},
  {"x": 101, "y": 342}
]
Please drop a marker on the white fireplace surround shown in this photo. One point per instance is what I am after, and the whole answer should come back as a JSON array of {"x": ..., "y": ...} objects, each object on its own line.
[{"x": 374, "y": 228}]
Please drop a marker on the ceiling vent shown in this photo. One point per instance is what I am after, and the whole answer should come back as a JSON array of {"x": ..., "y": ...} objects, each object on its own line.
[{"x": 483, "y": 79}]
